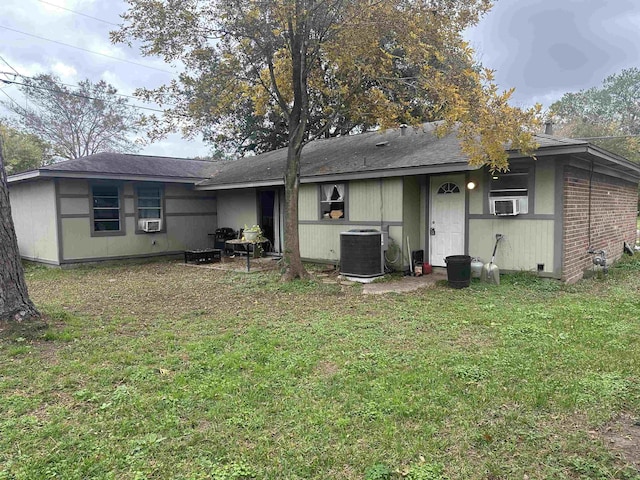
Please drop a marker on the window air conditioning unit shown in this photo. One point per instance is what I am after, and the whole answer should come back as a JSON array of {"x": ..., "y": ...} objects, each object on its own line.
[
  {"x": 151, "y": 225},
  {"x": 504, "y": 206}
]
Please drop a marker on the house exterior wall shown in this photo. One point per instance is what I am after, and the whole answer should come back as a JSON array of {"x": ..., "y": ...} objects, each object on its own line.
[
  {"x": 237, "y": 208},
  {"x": 411, "y": 221},
  {"x": 371, "y": 204},
  {"x": 602, "y": 217},
  {"x": 530, "y": 242},
  {"x": 545, "y": 194},
  {"x": 189, "y": 216},
  {"x": 33, "y": 208},
  {"x": 525, "y": 245}
]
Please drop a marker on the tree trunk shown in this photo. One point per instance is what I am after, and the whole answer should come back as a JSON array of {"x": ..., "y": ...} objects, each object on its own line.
[
  {"x": 298, "y": 119},
  {"x": 292, "y": 258},
  {"x": 15, "y": 304}
]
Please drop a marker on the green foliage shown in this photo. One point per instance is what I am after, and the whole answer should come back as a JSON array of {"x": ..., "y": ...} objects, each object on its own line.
[
  {"x": 318, "y": 69},
  {"x": 612, "y": 110},
  {"x": 424, "y": 471},
  {"x": 22, "y": 151},
  {"x": 379, "y": 471},
  {"x": 232, "y": 471}
]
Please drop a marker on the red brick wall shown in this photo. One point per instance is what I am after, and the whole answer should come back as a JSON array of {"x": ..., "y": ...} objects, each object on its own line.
[{"x": 613, "y": 219}]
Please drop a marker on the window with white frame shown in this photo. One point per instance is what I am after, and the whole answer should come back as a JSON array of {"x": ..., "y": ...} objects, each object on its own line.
[
  {"x": 332, "y": 201},
  {"x": 106, "y": 209},
  {"x": 510, "y": 187}
]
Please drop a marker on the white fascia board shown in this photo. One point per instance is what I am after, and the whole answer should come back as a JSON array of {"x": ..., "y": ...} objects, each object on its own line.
[
  {"x": 21, "y": 177},
  {"x": 240, "y": 185},
  {"x": 102, "y": 176}
]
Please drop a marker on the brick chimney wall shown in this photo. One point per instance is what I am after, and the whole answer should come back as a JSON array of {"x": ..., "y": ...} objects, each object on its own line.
[{"x": 613, "y": 219}]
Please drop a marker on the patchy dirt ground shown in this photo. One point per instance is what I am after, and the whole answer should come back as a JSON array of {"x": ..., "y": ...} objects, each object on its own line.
[{"x": 623, "y": 435}]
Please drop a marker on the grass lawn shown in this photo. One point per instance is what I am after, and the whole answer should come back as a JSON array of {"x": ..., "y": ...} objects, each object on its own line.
[{"x": 161, "y": 371}]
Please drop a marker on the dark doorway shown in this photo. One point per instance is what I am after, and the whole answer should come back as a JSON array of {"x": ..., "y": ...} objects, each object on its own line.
[{"x": 267, "y": 202}]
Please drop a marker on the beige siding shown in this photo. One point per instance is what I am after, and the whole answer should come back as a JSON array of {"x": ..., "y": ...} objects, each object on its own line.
[
  {"x": 411, "y": 217},
  {"x": 308, "y": 207},
  {"x": 545, "y": 187},
  {"x": 188, "y": 219},
  {"x": 322, "y": 242},
  {"x": 73, "y": 187},
  {"x": 33, "y": 208},
  {"x": 183, "y": 232},
  {"x": 375, "y": 200},
  {"x": 190, "y": 205},
  {"x": 526, "y": 243},
  {"x": 365, "y": 199},
  {"x": 370, "y": 201},
  {"x": 392, "y": 208},
  {"x": 74, "y": 206},
  {"x": 237, "y": 208},
  {"x": 178, "y": 189},
  {"x": 129, "y": 205},
  {"x": 477, "y": 195}
]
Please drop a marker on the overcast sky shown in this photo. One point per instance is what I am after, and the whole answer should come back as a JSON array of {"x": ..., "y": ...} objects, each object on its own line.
[{"x": 543, "y": 48}]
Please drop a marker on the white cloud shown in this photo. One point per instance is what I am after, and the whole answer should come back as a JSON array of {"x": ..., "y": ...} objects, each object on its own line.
[
  {"x": 67, "y": 73},
  {"x": 62, "y": 7},
  {"x": 117, "y": 81},
  {"x": 174, "y": 145}
]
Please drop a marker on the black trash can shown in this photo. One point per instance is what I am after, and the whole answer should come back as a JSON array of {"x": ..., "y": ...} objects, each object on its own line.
[{"x": 458, "y": 270}]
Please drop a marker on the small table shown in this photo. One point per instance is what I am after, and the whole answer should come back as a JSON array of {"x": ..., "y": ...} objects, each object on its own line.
[{"x": 245, "y": 244}]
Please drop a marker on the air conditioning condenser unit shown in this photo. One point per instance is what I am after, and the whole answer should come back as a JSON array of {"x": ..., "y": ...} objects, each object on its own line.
[{"x": 362, "y": 254}]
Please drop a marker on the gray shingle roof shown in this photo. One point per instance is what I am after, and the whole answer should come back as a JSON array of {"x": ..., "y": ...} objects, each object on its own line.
[
  {"x": 389, "y": 152},
  {"x": 366, "y": 152},
  {"x": 119, "y": 164}
]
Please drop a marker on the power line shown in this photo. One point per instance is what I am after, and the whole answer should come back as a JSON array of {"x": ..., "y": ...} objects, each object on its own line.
[
  {"x": 73, "y": 94},
  {"x": 79, "y": 13},
  {"x": 87, "y": 50},
  {"x": 9, "y": 65},
  {"x": 66, "y": 85},
  {"x": 61, "y": 83},
  {"x": 8, "y": 96},
  {"x": 609, "y": 137}
]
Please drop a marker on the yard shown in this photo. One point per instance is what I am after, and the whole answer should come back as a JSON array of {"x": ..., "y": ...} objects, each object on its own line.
[{"x": 160, "y": 371}]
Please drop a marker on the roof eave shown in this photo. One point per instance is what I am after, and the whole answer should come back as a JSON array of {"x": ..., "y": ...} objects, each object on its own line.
[
  {"x": 604, "y": 157},
  {"x": 231, "y": 186},
  {"x": 24, "y": 176},
  {"x": 333, "y": 177},
  {"x": 20, "y": 177}
]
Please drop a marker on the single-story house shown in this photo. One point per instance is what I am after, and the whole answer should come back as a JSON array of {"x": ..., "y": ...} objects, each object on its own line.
[
  {"x": 107, "y": 206},
  {"x": 413, "y": 185}
]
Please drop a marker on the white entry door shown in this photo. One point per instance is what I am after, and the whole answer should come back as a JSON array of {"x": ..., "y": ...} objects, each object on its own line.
[{"x": 446, "y": 220}]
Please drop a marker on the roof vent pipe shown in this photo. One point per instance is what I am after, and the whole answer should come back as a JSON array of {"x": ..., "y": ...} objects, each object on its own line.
[
  {"x": 548, "y": 127},
  {"x": 403, "y": 129}
]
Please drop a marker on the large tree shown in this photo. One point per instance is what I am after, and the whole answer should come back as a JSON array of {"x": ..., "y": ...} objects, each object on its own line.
[
  {"x": 307, "y": 68},
  {"x": 15, "y": 305},
  {"x": 76, "y": 122},
  {"x": 23, "y": 151},
  {"x": 608, "y": 116}
]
